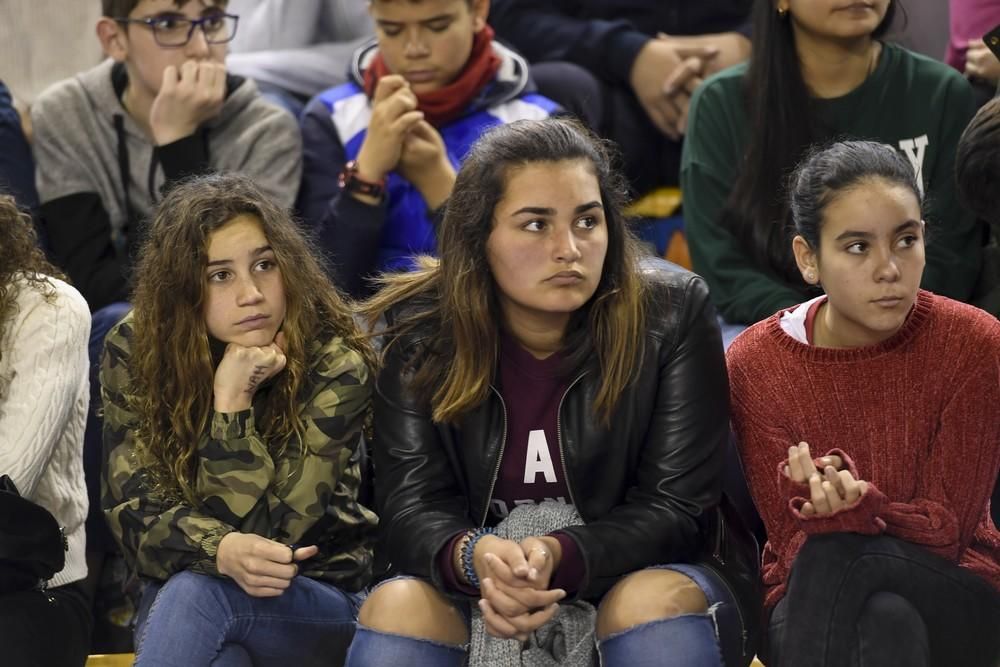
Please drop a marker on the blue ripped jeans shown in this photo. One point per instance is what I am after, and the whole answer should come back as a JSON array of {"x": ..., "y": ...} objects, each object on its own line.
[
  {"x": 696, "y": 640},
  {"x": 196, "y": 619}
]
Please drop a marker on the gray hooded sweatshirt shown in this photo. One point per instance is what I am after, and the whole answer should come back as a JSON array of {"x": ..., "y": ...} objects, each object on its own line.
[{"x": 99, "y": 177}]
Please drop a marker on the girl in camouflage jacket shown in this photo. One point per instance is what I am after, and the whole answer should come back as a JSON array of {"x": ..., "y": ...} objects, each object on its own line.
[{"x": 234, "y": 399}]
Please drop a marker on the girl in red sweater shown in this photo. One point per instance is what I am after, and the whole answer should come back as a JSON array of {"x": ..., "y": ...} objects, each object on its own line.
[{"x": 870, "y": 435}]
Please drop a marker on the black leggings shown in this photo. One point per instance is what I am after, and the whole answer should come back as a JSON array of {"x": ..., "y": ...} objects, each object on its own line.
[
  {"x": 50, "y": 628},
  {"x": 861, "y": 601}
]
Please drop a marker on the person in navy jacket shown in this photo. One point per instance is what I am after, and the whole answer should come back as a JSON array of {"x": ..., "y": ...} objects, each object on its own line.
[{"x": 381, "y": 151}]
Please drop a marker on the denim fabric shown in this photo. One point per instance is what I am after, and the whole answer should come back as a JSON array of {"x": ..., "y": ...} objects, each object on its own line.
[
  {"x": 17, "y": 169},
  {"x": 195, "y": 619},
  {"x": 857, "y": 600},
  {"x": 372, "y": 648},
  {"x": 694, "y": 640}
]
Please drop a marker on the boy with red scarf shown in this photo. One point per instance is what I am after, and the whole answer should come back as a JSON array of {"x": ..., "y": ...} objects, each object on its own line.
[{"x": 381, "y": 151}]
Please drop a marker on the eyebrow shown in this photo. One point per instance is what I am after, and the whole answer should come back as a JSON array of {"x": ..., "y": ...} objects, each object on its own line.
[
  {"x": 433, "y": 19},
  {"x": 255, "y": 253},
  {"x": 541, "y": 210},
  {"x": 174, "y": 13},
  {"x": 849, "y": 234}
]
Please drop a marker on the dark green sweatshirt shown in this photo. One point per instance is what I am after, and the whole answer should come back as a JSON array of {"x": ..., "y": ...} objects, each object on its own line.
[{"x": 916, "y": 104}]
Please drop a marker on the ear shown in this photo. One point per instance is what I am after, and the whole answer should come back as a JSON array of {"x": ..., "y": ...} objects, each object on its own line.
[
  {"x": 113, "y": 39},
  {"x": 806, "y": 260},
  {"x": 480, "y": 12}
]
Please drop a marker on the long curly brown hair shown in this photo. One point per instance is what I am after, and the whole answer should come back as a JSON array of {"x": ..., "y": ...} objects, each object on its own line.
[
  {"x": 172, "y": 366},
  {"x": 21, "y": 260}
]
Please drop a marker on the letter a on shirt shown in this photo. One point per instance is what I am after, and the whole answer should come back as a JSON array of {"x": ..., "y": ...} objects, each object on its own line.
[
  {"x": 538, "y": 459},
  {"x": 916, "y": 150}
]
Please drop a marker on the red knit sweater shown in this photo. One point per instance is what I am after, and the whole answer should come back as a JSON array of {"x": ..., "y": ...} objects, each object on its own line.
[{"x": 917, "y": 416}]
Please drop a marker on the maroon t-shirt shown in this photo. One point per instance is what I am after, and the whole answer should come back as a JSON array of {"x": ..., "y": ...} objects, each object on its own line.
[{"x": 531, "y": 470}]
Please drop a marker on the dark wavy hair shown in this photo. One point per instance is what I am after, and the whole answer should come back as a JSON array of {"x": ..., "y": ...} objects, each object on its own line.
[
  {"x": 172, "y": 366},
  {"x": 782, "y": 128},
  {"x": 977, "y": 163},
  {"x": 21, "y": 260},
  {"x": 459, "y": 294},
  {"x": 837, "y": 168}
]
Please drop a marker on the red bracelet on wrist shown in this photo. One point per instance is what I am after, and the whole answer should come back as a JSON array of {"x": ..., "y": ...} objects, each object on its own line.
[{"x": 351, "y": 182}]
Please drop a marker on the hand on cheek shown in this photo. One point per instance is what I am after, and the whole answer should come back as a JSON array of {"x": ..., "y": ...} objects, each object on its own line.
[
  {"x": 242, "y": 371},
  {"x": 189, "y": 96}
]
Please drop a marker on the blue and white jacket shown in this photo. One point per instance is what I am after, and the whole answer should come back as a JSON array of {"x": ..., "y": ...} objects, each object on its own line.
[{"x": 363, "y": 240}]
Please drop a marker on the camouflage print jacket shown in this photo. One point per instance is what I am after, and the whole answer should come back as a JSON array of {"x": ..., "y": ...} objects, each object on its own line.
[{"x": 308, "y": 496}]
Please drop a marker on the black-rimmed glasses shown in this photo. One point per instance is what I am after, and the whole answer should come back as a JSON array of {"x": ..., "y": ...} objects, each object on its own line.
[{"x": 174, "y": 31}]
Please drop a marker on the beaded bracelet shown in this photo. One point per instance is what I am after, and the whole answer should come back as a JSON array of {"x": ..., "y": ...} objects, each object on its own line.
[{"x": 468, "y": 551}]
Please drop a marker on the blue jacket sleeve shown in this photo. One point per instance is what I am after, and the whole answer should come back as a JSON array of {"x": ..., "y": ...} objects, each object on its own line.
[
  {"x": 348, "y": 230},
  {"x": 17, "y": 169},
  {"x": 605, "y": 36}
]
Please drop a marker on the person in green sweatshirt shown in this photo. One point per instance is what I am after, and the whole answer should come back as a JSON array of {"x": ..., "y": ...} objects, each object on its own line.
[{"x": 818, "y": 71}]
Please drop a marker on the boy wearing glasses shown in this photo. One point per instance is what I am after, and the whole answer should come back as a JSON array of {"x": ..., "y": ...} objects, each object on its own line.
[{"x": 110, "y": 140}]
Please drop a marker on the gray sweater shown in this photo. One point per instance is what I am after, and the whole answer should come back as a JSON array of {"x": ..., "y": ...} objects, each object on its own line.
[{"x": 99, "y": 176}]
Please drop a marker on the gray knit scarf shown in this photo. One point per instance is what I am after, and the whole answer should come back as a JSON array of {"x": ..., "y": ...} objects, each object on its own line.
[{"x": 568, "y": 639}]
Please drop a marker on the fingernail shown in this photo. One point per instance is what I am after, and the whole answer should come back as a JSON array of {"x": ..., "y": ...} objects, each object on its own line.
[
  {"x": 532, "y": 573},
  {"x": 482, "y": 605}
]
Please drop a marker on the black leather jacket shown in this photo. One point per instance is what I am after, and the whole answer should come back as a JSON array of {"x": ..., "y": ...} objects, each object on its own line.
[{"x": 648, "y": 487}]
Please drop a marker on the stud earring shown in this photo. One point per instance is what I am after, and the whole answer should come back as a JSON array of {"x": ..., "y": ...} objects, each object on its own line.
[
  {"x": 810, "y": 276},
  {"x": 782, "y": 12}
]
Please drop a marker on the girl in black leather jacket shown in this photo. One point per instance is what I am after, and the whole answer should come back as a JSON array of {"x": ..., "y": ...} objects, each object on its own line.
[{"x": 536, "y": 361}]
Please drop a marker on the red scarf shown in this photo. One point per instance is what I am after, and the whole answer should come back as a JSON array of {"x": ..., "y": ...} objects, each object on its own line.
[{"x": 448, "y": 103}]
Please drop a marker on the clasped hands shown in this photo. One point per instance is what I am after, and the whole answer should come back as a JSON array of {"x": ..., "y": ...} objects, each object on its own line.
[
  {"x": 399, "y": 139},
  {"x": 830, "y": 490},
  {"x": 514, "y": 578},
  {"x": 664, "y": 77}
]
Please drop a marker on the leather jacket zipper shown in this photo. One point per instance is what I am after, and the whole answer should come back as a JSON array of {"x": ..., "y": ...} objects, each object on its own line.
[
  {"x": 562, "y": 454},
  {"x": 496, "y": 469},
  {"x": 503, "y": 446},
  {"x": 720, "y": 535}
]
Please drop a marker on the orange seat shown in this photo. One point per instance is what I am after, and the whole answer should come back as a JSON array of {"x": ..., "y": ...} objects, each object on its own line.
[{"x": 111, "y": 660}]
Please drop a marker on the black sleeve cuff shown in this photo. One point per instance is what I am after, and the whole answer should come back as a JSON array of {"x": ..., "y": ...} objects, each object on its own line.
[
  {"x": 184, "y": 157},
  {"x": 624, "y": 50}
]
